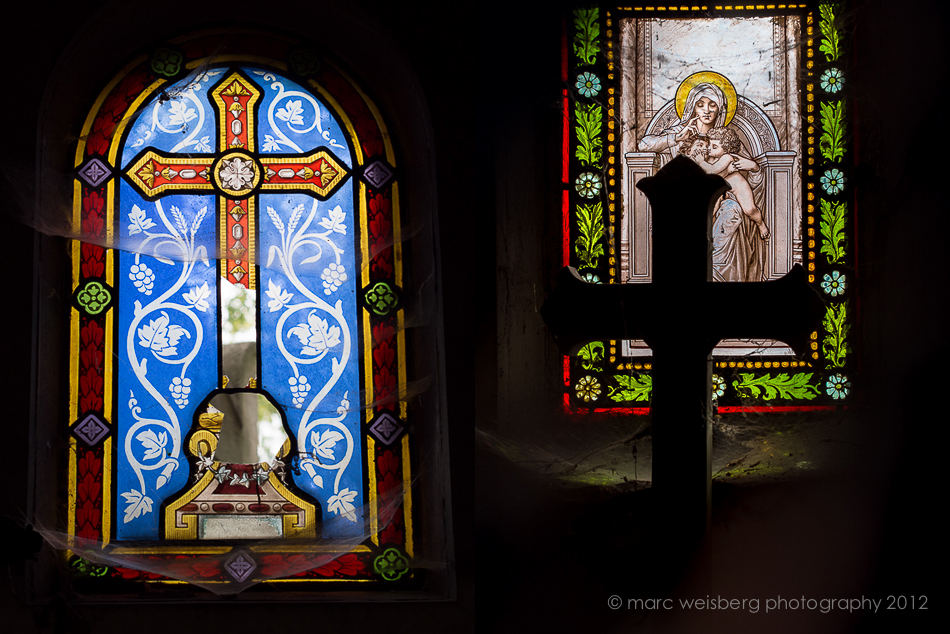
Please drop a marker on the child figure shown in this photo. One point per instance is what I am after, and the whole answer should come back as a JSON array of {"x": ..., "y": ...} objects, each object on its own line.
[
  {"x": 723, "y": 144},
  {"x": 696, "y": 147}
]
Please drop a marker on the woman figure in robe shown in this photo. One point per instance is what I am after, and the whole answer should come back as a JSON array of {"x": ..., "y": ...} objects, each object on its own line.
[{"x": 738, "y": 248}]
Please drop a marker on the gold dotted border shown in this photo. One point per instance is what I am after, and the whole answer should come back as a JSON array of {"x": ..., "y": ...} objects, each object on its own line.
[
  {"x": 718, "y": 7},
  {"x": 809, "y": 212}
]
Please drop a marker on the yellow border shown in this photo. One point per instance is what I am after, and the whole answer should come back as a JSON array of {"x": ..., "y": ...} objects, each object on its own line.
[
  {"x": 252, "y": 269},
  {"x": 320, "y": 580},
  {"x": 407, "y": 493},
  {"x": 108, "y": 362},
  {"x": 71, "y": 501},
  {"x": 310, "y": 548},
  {"x": 94, "y": 111},
  {"x": 397, "y": 233},
  {"x": 222, "y": 242},
  {"x": 160, "y": 550},
  {"x": 401, "y": 361},
  {"x": 233, "y": 57},
  {"x": 358, "y": 160},
  {"x": 190, "y": 521},
  {"x": 737, "y": 7},
  {"x": 373, "y": 502},
  {"x": 387, "y": 142},
  {"x": 133, "y": 107}
]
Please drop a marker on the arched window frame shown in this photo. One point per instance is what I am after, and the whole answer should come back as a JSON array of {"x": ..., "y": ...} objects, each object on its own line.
[{"x": 383, "y": 350}]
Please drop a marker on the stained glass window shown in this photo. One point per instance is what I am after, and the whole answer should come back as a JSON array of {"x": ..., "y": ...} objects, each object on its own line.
[
  {"x": 241, "y": 238},
  {"x": 757, "y": 94}
]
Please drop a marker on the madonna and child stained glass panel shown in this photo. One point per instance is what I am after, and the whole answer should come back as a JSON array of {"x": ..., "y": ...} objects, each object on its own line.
[
  {"x": 200, "y": 179},
  {"x": 755, "y": 95}
]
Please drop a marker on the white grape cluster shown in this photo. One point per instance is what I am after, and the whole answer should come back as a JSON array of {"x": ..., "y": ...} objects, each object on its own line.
[
  {"x": 142, "y": 277},
  {"x": 299, "y": 387},
  {"x": 180, "y": 389},
  {"x": 333, "y": 276}
]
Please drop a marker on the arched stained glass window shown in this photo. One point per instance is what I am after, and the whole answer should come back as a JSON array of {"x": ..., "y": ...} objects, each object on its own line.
[
  {"x": 241, "y": 238},
  {"x": 763, "y": 84},
  {"x": 265, "y": 174}
]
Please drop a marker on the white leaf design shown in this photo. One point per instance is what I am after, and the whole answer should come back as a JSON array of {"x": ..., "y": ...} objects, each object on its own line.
[
  {"x": 204, "y": 144},
  {"x": 334, "y": 222},
  {"x": 291, "y": 113},
  {"x": 154, "y": 445},
  {"x": 139, "y": 221},
  {"x": 271, "y": 144},
  {"x": 198, "y": 297},
  {"x": 174, "y": 334},
  {"x": 161, "y": 338},
  {"x": 323, "y": 443},
  {"x": 270, "y": 254},
  {"x": 316, "y": 335},
  {"x": 136, "y": 504},
  {"x": 279, "y": 297},
  {"x": 312, "y": 259},
  {"x": 201, "y": 254},
  {"x": 342, "y": 504},
  {"x": 180, "y": 114}
]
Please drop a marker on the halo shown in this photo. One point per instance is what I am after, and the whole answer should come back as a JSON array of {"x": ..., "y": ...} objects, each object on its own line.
[{"x": 707, "y": 77}]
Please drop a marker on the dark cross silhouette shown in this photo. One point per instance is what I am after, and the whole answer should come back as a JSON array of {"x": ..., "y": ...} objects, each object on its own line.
[{"x": 682, "y": 315}]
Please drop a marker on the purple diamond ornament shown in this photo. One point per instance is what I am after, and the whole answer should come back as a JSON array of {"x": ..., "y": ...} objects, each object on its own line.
[
  {"x": 240, "y": 567},
  {"x": 386, "y": 428},
  {"x": 95, "y": 172},
  {"x": 91, "y": 430}
]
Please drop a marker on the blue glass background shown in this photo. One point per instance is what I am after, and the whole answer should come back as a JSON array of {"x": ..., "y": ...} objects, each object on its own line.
[
  {"x": 284, "y": 115},
  {"x": 157, "y": 399}
]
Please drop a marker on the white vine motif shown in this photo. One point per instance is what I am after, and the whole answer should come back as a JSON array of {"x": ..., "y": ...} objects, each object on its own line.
[
  {"x": 333, "y": 276},
  {"x": 299, "y": 388},
  {"x": 142, "y": 276},
  {"x": 278, "y": 296},
  {"x": 198, "y": 297},
  {"x": 342, "y": 504},
  {"x": 161, "y": 438},
  {"x": 292, "y": 115},
  {"x": 322, "y": 447},
  {"x": 180, "y": 388},
  {"x": 184, "y": 106},
  {"x": 318, "y": 337}
]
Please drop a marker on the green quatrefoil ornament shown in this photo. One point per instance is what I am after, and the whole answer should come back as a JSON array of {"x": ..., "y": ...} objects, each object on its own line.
[
  {"x": 93, "y": 298},
  {"x": 166, "y": 62},
  {"x": 391, "y": 564},
  {"x": 381, "y": 298}
]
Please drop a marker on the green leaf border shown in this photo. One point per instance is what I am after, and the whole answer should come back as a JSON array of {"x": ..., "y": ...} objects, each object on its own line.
[{"x": 586, "y": 40}]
